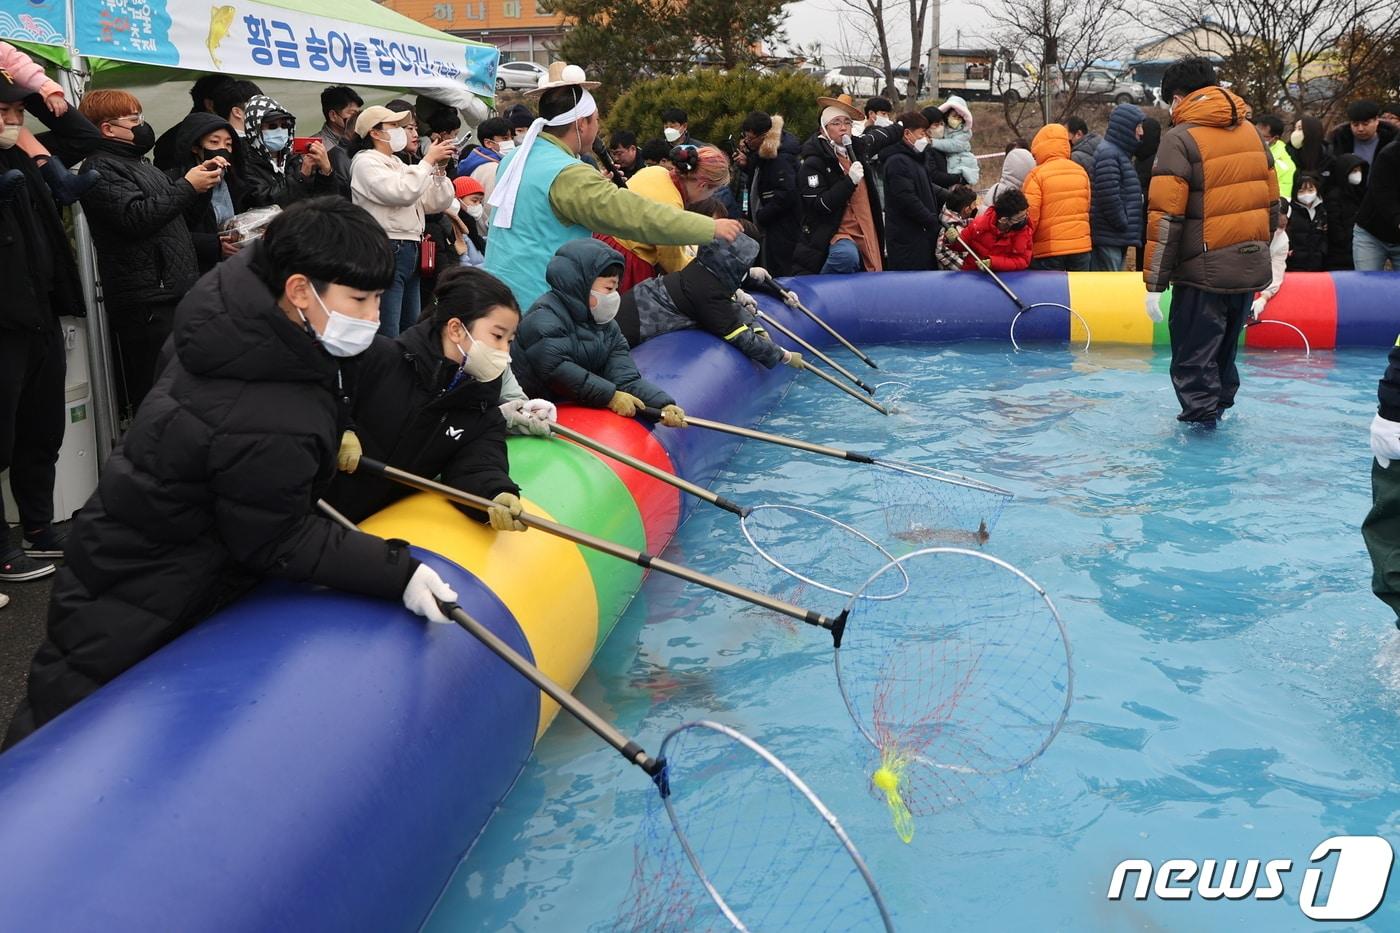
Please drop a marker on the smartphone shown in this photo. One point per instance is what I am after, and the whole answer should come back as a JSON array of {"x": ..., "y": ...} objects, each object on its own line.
[
  {"x": 302, "y": 144},
  {"x": 462, "y": 140}
]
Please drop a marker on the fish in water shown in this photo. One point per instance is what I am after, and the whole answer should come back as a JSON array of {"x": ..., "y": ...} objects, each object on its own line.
[{"x": 923, "y": 535}]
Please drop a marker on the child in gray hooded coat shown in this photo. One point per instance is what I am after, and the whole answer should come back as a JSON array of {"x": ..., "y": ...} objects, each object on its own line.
[{"x": 956, "y": 141}]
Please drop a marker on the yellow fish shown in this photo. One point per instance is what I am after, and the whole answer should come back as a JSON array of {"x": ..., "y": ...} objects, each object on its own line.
[{"x": 220, "y": 19}]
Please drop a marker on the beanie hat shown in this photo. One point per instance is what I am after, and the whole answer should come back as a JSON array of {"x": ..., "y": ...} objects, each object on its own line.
[{"x": 466, "y": 186}]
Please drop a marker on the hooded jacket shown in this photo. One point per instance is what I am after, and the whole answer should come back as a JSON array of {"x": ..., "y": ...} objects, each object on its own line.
[
  {"x": 1116, "y": 214},
  {"x": 774, "y": 202},
  {"x": 1083, "y": 151},
  {"x": 200, "y": 218},
  {"x": 912, "y": 213},
  {"x": 1344, "y": 141},
  {"x": 263, "y": 184},
  {"x": 561, "y": 353},
  {"x": 701, "y": 295},
  {"x": 137, "y": 215},
  {"x": 1307, "y": 230},
  {"x": 1057, "y": 191},
  {"x": 956, "y": 144},
  {"x": 1380, "y": 207},
  {"x": 1212, "y": 207},
  {"x": 416, "y": 410},
  {"x": 1014, "y": 169},
  {"x": 826, "y": 190},
  {"x": 213, "y": 487},
  {"x": 1004, "y": 252},
  {"x": 1343, "y": 202}
]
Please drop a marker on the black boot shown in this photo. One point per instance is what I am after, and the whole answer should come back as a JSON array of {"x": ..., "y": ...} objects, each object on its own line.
[
  {"x": 11, "y": 184},
  {"x": 67, "y": 188}
]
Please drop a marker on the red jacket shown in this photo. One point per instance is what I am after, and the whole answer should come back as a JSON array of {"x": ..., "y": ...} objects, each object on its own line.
[{"x": 1006, "y": 252}]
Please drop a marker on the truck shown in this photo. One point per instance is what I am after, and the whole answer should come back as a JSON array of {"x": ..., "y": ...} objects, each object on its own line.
[{"x": 984, "y": 74}]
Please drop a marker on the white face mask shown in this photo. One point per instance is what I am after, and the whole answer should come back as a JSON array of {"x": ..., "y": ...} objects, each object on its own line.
[
  {"x": 1296, "y": 138},
  {"x": 475, "y": 210},
  {"x": 9, "y": 135},
  {"x": 398, "y": 139},
  {"x": 936, "y": 131},
  {"x": 1307, "y": 200},
  {"x": 344, "y": 335},
  {"x": 883, "y": 120},
  {"x": 605, "y": 306},
  {"x": 1354, "y": 178},
  {"x": 921, "y": 144},
  {"x": 481, "y": 362},
  {"x": 858, "y": 128},
  {"x": 672, "y": 134},
  {"x": 505, "y": 145}
]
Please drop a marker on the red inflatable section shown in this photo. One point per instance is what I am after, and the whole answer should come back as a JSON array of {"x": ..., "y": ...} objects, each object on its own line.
[
  {"x": 658, "y": 503},
  {"x": 1308, "y": 301}
]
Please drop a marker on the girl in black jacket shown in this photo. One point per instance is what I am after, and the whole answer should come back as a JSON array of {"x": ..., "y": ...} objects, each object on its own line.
[
  {"x": 911, "y": 212},
  {"x": 429, "y": 401},
  {"x": 214, "y": 486},
  {"x": 1307, "y": 225}
]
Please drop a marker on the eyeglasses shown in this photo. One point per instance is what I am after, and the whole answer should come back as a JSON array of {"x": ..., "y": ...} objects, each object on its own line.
[
  {"x": 841, "y": 121},
  {"x": 136, "y": 119}
]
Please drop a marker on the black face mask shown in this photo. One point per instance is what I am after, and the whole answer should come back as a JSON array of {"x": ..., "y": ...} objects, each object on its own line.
[
  {"x": 1018, "y": 225},
  {"x": 143, "y": 138},
  {"x": 215, "y": 153}
]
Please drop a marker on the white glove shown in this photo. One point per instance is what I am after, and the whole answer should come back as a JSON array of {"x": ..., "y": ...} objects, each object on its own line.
[
  {"x": 856, "y": 173},
  {"x": 791, "y": 300},
  {"x": 760, "y": 275},
  {"x": 1385, "y": 440},
  {"x": 520, "y": 421},
  {"x": 424, "y": 589},
  {"x": 541, "y": 410},
  {"x": 1257, "y": 308},
  {"x": 1154, "y": 306},
  {"x": 746, "y": 301}
]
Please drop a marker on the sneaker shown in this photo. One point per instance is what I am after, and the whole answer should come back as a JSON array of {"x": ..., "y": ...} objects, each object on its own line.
[
  {"x": 16, "y": 568},
  {"x": 48, "y": 541},
  {"x": 4, "y": 600}
]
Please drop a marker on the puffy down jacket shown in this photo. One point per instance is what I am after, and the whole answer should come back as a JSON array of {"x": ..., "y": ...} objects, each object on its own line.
[
  {"x": 1212, "y": 207},
  {"x": 1057, "y": 191},
  {"x": 1116, "y": 217}
]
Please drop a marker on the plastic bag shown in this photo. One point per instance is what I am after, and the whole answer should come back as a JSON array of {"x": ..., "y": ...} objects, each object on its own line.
[{"x": 249, "y": 226}]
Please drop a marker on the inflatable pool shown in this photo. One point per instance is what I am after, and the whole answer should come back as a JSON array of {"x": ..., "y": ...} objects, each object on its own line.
[{"x": 312, "y": 760}]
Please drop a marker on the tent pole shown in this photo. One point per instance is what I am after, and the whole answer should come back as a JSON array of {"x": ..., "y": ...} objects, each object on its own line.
[{"x": 73, "y": 80}]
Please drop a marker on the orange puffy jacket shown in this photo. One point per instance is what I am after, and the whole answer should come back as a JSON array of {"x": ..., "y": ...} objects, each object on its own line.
[
  {"x": 1057, "y": 191},
  {"x": 1212, "y": 207}
]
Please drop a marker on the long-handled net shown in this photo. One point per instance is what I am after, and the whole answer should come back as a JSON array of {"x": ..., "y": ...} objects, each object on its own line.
[
  {"x": 750, "y": 846},
  {"x": 965, "y": 678}
]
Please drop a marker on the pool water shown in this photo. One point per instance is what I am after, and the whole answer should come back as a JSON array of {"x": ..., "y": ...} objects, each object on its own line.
[{"x": 1237, "y": 686}]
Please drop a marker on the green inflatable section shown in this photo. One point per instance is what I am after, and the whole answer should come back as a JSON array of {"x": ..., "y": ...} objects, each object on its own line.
[{"x": 579, "y": 490}]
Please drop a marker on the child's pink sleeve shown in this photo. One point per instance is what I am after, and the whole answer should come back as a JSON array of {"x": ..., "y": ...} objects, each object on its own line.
[{"x": 26, "y": 72}]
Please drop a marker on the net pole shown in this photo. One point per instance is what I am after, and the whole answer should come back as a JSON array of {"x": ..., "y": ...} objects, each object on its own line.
[{"x": 789, "y": 333}]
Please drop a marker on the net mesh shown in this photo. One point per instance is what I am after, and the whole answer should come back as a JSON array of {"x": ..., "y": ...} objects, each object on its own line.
[
  {"x": 763, "y": 846},
  {"x": 924, "y": 507},
  {"x": 820, "y": 552},
  {"x": 964, "y": 679}
]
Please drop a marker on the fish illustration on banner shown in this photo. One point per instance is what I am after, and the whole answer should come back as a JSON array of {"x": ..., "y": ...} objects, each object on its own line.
[
  {"x": 220, "y": 19},
  {"x": 41, "y": 21}
]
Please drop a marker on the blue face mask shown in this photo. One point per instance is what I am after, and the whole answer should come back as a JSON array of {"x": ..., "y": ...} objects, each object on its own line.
[{"x": 276, "y": 140}]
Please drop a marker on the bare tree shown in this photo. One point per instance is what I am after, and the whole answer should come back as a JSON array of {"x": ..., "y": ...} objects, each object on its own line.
[
  {"x": 1082, "y": 33},
  {"x": 918, "y": 26},
  {"x": 1301, "y": 54},
  {"x": 876, "y": 28}
]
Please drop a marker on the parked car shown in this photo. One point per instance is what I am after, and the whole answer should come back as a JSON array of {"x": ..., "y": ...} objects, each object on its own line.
[
  {"x": 862, "y": 81},
  {"x": 519, "y": 76},
  {"x": 1102, "y": 84}
]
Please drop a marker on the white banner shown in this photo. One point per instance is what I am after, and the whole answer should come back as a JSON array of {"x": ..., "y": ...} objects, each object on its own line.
[{"x": 261, "y": 40}]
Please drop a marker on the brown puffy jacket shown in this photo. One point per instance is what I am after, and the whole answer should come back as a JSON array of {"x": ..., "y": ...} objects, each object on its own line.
[
  {"x": 1212, "y": 205},
  {"x": 1057, "y": 190}
]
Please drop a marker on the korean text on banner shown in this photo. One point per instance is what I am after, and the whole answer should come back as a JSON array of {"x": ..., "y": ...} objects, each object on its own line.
[{"x": 263, "y": 40}]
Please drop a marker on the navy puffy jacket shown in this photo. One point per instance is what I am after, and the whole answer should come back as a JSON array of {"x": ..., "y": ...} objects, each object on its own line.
[{"x": 1115, "y": 217}]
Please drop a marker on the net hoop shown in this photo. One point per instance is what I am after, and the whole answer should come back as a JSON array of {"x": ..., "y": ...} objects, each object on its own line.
[
  {"x": 1307, "y": 347},
  {"x": 1088, "y": 337},
  {"x": 1064, "y": 640},
  {"x": 826, "y": 587},
  {"x": 776, "y": 763}
]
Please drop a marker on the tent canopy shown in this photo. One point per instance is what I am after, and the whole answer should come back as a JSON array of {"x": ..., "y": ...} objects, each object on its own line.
[{"x": 354, "y": 42}]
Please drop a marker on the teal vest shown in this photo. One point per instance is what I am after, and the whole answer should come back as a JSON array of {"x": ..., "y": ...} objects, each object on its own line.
[{"x": 518, "y": 254}]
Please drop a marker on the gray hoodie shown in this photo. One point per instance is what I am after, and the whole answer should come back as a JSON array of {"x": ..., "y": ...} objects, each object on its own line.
[{"x": 1014, "y": 169}]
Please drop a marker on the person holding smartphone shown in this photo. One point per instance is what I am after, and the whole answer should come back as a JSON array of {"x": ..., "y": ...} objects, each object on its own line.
[
  {"x": 276, "y": 174},
  {"x": 399, "y": 196}
]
